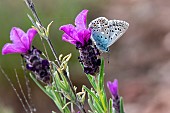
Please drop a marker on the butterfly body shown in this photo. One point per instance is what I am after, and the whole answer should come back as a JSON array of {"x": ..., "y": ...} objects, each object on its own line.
[{"x": 106, "y": 32}]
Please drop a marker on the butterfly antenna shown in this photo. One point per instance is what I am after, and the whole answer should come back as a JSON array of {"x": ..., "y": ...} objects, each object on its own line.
[
  {"x": 12, "y": 85},
  {"x": 27, "y": 83}
]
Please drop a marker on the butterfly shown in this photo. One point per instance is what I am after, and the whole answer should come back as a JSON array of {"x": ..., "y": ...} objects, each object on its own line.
[{"x": 106, "y": 32}]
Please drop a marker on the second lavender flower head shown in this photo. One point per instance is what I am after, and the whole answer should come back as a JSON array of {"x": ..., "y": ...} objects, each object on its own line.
[{"x": 80, "y": 37}]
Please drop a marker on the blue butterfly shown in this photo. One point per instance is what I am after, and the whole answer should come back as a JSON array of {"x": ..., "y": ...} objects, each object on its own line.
[{"x": 106, "y": 32}]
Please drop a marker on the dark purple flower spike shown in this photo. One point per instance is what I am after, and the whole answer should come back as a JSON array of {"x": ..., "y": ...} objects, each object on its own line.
[
  {"x": 79, "y": 36},
  {"x": 21, "y": 43},
  {"x": 38, "y": 65},
  {"x": 113, "y": 88}
]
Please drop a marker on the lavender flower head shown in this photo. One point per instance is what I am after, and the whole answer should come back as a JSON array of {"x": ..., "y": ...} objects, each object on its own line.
[
  {"x": 80, "y": 37},
  {"x": 113, "y": 88},
  {"x": 21, "y": 41}
]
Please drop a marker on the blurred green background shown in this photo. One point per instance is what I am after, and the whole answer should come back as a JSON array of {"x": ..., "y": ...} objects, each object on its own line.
[{"x": 140, "y": 60}]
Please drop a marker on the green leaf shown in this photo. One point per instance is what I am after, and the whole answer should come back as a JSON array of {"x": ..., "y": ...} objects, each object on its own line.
[
  {"x": 105, "y": 99},
  {"x": 59, "y": 82},
  {"x": 121, "y": 105},
  {"x": 98, "y": 107},
  {"x": 110, "y": 105},
  {"x": 92, "y": 94},
  {"x": 57, "y": 101},
  {"x": 91, "y": 103},
  {"x": 67, "y": 87},
  {"x": 100, "y": 87},
  {"x": 92, "y": 80},
  {"x": 41, "y": 87},
  {"x": 48, "y": 28},
  {"x": 96, "y": 101},
  {"x": 65, "y": 81},
  {"x": 101, "y": 75}
]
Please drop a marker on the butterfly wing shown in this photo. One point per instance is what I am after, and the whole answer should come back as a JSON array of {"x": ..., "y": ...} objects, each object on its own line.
[
  {"x": 105, "y": 32},
  {"x": 100, "y": 41},
  {"x": 116, "y": 29},
  {"x": 100, "y": 33}
]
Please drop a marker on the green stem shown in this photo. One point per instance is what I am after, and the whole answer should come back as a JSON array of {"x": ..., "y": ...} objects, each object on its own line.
[
  {"x": 40, "y": 86},
  {"x": 79, "y": 104},
  {"x": 31, "y": 6}
]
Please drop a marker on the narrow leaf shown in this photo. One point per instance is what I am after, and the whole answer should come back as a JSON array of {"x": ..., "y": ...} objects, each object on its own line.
[
  {"x": 96, "y": 101},
  {"x": 92, "y": 94},
  {"x": 40, "y": 86},
  {"x": 91, "y": 103},
  {"x": 48, "y": 28},
  {"x": 92, "y": 81},
  {"x": 121, "y": 105},
  {"x": 101, "y": 75},
  {"x": 110, "y": 105}
]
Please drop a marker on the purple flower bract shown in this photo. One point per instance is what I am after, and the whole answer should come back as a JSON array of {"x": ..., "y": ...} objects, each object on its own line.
[
  {"x": 21, "y": 41},
  {"x": 79, "y": 34}
]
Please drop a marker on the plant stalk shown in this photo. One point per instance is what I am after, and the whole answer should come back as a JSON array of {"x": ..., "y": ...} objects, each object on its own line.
[
  {"x": 79, "y": 104},
  {"x": 31, "y": 6}
]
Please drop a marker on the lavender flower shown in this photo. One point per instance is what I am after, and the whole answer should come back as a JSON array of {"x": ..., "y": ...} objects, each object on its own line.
[
  {"x": 80, "y": 37},
  {"x": 21, "y": 43},
  {"x": 113, "y": 88}
]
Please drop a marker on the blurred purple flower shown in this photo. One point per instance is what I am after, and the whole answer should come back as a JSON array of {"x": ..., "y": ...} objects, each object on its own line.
[
  {"x": 113, "y": 88},
  {"x": 21, "y": 41},
  {"x": 78, "y": 35}
]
